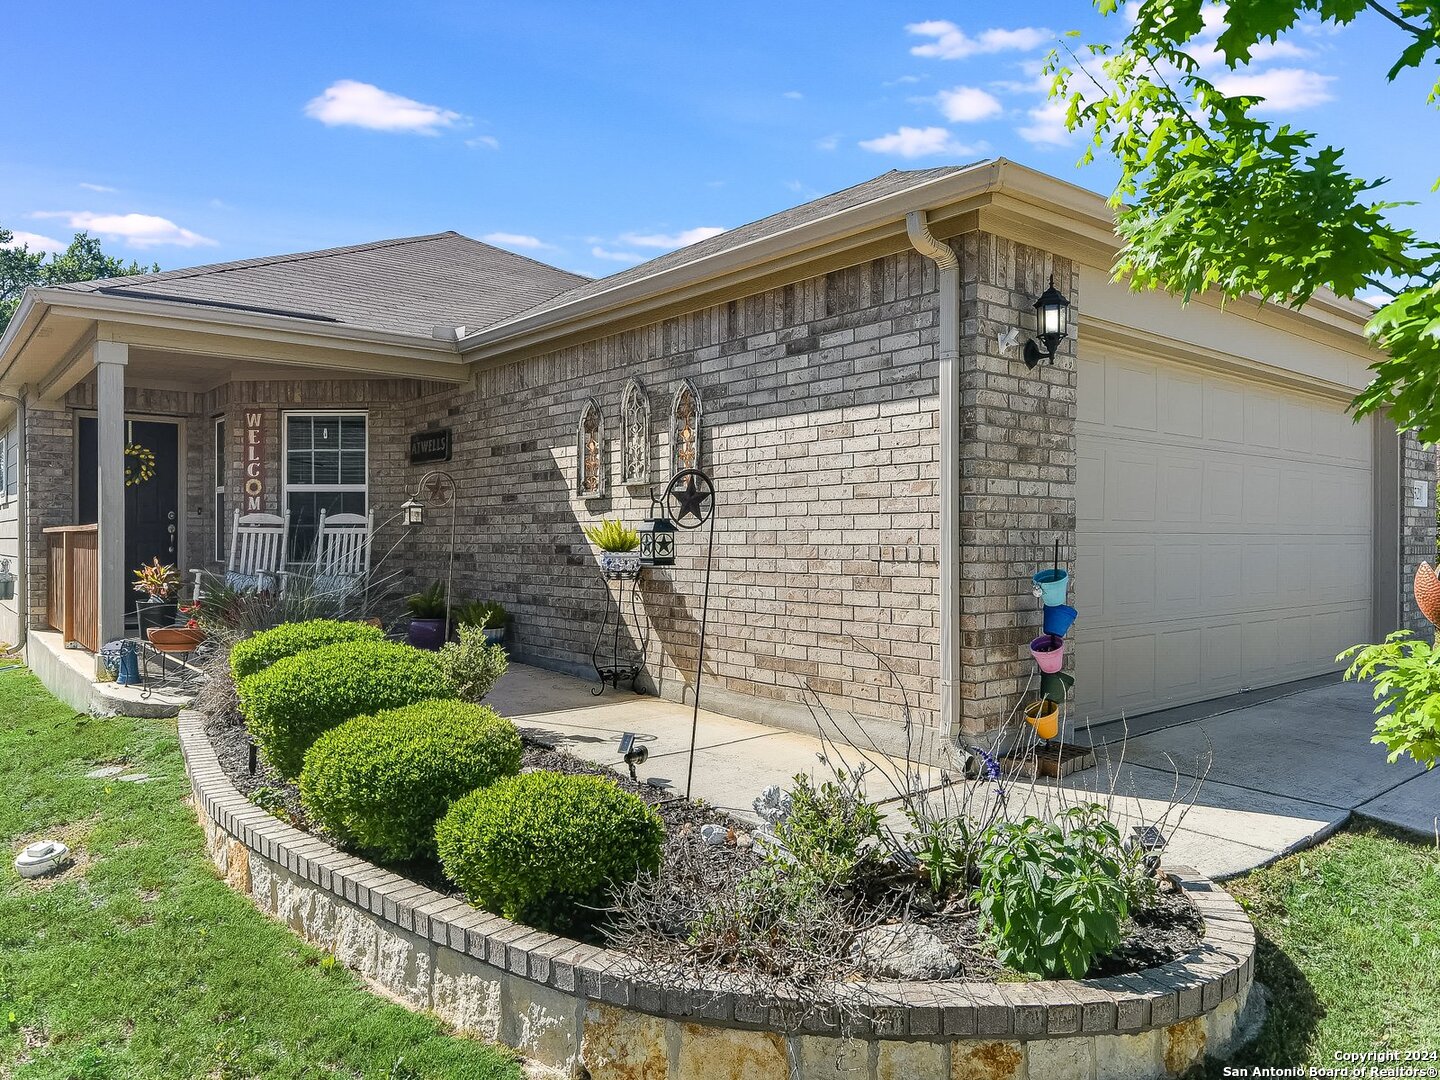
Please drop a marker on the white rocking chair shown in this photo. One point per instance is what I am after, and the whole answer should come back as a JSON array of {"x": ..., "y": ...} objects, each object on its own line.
[
  {"x": 258, "y": 545},
  {"x": 342, "y": 552}
]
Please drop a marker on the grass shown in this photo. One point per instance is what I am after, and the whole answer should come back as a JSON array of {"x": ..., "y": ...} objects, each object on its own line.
[
  {"x": 138, "y": 961},
  {"x": 1349, "y": 946}
]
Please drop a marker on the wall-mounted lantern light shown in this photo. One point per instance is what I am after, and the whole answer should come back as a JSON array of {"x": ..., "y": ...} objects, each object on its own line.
[{"x": 1052, "y": 319}]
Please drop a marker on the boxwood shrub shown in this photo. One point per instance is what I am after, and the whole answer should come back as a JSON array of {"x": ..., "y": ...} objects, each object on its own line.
[
  {"x": 294, "y": 701},
  {"x": 543, "y": 846},
  {"x": 259, "y": 651},
  {"x": 381, "y": 782}
]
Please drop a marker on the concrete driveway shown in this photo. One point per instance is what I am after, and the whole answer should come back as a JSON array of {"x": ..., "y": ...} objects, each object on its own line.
[{"x": 1278, "y": 775}]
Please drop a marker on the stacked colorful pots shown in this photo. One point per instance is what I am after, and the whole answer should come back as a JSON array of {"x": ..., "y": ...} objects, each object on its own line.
[{"x": 1051, "y": 586}]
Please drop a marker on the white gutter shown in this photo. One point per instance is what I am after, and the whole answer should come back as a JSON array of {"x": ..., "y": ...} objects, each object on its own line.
[{"x": 951, "y": 555}]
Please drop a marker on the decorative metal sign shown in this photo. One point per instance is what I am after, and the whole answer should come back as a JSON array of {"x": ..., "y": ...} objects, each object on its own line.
[
  {"x": 256, "y": 445},
  {"x": 428, "y": 447}
]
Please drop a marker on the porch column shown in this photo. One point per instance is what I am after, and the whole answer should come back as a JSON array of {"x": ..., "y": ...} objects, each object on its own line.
[{"x": 110, "y": 360}]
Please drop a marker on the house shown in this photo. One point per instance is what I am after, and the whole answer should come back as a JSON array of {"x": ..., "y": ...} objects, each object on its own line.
[{"x": 889, "y": 472}]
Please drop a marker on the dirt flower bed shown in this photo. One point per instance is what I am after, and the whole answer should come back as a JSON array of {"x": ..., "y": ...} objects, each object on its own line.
[{"x": 709, "y": 854}]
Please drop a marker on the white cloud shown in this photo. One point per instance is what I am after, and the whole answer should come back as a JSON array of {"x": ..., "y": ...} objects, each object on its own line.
[
  {"x": 137, "y": 230},
  {"x": 793, "y": 95},
  {"x": 1278, "y": 50},
  {"x": 671, "y": 240},
  {"x": 483, "y": 142},
  {"x": 911, "y": 142},
  {"x": 1047, "y": 125},
  {"x": 35, "y": 242},
  {"x": 358, "y": 104},
  {"x": 515, "y": 240},
  {"x": 1284, "y": 89},
  {"x": 1376, "y": 300},
  {"x": 97, "y": 187},
  {"x": 904, "y": 80},
  {"x": 827, "y": 143},
  {"x": 616, "y": 256},
  {"x": 952, "y": 43},
  {"x": 967, "y": 104}
]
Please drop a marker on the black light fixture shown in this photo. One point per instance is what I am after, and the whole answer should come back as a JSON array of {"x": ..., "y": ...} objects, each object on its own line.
[
  {"x": 1052, "y": 319},
  {"x": 657, "y": 537}
]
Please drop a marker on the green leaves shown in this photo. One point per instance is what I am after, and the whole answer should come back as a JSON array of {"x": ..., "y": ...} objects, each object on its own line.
[
  {"x": 1406, "y": 673},
  {"x": 1210, "y": 198},
  {"x": 83, "y": 260},
  {"x": 1053, "y": 894}
]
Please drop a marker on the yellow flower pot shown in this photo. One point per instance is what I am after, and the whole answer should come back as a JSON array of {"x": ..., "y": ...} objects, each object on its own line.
[{"x": 1044, "y": 716}]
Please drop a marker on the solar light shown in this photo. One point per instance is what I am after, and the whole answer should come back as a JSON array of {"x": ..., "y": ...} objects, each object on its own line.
[{"x": 413, "y": 511}]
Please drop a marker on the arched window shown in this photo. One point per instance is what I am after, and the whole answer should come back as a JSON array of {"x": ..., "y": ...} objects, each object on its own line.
[
  {"x": 635, "y": 439},
  {"x": 685, "y": 420},
  {"x": 590, "y": 452}
]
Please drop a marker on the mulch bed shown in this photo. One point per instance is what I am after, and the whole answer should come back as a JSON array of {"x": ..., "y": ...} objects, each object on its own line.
[{"x": 1165, "y": 932}]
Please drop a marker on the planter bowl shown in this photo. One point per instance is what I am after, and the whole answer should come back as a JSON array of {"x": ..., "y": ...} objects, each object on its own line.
[
  {"x": 175, "y": 638},
  {"x": 1049, "y": 653},
  {"x": 619, "y": 562},
  {"x": 495, "y": 634},
  {"x": 426, "y": 633},
  {"x": 1051, "y": 586},
  {"x": 1044, "y": 717},
  {"x": 1059, "y": 619}
]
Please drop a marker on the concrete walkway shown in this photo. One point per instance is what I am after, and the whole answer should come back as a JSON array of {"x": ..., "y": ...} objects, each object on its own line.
[{"x": 1282, "y": 773}]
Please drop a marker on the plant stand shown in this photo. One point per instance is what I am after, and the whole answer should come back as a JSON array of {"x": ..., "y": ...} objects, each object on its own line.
[{"x": 632, "y": 662}]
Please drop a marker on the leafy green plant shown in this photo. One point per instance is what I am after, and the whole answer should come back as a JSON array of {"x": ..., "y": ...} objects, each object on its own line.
[
  {"x": 946, "y": 850},
  {"x": 831, "y": 831},
  {"x": 613, "y": 535},
  {"x": 1053, "y": 894},
  {"x": 1406, "y": 673},
  {"x": 473, "y": 663},
  {"x": 290, "y": 704},
  {"x": 489, "y": 614},
  {"x": 381, "y": 782},
  {"x": 543, "y": 847},
  {"x": 157, "y": 581},
  {"x": 259, "y": 651},
  {"x": 428, "y": 603}
]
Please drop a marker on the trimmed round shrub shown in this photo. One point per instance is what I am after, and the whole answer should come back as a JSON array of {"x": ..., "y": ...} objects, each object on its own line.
[
  {"x": 294, "y": 701},
  {"x": 382, "y": 782},
  {"x": 259, "y": 651},
  {"x": 543, "y": 846}
]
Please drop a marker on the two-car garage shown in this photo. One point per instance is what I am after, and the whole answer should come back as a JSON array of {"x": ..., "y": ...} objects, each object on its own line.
[{"x": 1224, "y": 531}]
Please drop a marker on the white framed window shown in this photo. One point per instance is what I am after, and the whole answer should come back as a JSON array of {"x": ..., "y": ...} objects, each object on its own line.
[
  {"x": 222, "y": 529},
  {"x": 327, "y": 465}
]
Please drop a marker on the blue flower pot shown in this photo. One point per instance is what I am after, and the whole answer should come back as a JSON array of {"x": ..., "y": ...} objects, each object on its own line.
[
  {"x": 1059, "y": 619},
  {"x": 1051, "y": 586}
]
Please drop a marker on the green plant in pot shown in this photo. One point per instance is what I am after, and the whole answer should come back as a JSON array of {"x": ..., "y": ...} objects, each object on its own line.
[
  {"x": 488, "y": 615},
  {"x": 429, "y": 617},
  {"x": 157, "y": 582},
  {"x": 618, "y": 543}
]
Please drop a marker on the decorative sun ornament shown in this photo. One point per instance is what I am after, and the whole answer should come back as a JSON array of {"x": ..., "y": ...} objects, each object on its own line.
[{"x": 139, "y": 465}]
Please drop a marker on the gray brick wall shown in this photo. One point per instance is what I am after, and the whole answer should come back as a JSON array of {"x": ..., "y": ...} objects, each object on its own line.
[{"x": 1417, "y": 526}]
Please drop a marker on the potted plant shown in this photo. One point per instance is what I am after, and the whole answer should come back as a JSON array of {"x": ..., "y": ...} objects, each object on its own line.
[
  {"x": 157, "y": 582},
  {"x": 619, "y": 546},
  {"x": 429, "y": 615},
  {"x": 489, "y": 615},
  {"x": 184, "y": 638}
]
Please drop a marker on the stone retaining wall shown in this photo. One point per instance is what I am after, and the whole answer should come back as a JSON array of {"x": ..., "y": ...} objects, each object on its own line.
[{"x": 586, "y": 1011}]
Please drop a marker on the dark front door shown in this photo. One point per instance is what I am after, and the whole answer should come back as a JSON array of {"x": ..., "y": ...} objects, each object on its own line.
[{"x": 152, "y": 507}]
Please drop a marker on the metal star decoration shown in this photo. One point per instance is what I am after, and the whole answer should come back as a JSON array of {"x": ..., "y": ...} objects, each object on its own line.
[
  {"x": 692, "y": 495},
  {"x": 439, "y": 489}
]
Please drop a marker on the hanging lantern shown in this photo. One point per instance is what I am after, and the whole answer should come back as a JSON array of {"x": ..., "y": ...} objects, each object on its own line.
[
  {"x": 657, "y": 538},
  {"x": 413, "y": 512}
]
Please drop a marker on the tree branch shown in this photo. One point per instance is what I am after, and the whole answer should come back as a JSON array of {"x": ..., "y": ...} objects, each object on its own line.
[{"x": 1418, "y": 31}]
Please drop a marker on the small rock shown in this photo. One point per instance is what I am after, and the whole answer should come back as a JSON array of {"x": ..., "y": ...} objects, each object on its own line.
[
  {"x": 905, "y": 951},
  {"x": 106, "y": 772},
  {"x": 743, "y": 841},
  {"x": 714, "y": 835},
  {"x": 772, "y": 805}
]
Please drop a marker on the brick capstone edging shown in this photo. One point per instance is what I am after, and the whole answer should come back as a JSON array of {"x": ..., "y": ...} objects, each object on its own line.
[{"x": 587, "y": 1011}]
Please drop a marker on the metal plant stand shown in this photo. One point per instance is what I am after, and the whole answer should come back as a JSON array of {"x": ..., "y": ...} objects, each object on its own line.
[{"x": 633, "y": 662}]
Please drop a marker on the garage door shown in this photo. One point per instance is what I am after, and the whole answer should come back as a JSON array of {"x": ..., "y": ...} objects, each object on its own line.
[{"x": 1223, "y": 534}]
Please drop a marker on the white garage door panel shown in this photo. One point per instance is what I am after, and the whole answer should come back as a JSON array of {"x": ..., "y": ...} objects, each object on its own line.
[{"x": 1223, "y": 535}]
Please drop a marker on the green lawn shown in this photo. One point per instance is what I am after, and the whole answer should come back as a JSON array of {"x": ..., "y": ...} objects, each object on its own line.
[
  {"x": 138, "y": 962},
  {"x": 1349, "y": 935}
]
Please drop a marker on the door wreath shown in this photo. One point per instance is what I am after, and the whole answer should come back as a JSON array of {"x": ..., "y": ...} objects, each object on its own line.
[{"x": 139, "y": 465}]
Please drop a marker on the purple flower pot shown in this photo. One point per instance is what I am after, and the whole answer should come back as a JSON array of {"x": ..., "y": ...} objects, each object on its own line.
[
  {"x": 1049, "y": 653},
  {"x": 426, "y": 633}
]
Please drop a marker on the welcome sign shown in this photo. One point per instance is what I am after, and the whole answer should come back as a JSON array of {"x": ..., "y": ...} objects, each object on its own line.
[{"x": 254, "y": 461}]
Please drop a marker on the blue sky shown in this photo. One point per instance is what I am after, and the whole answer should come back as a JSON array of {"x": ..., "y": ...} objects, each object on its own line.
[{"x": 588, "y": 135}]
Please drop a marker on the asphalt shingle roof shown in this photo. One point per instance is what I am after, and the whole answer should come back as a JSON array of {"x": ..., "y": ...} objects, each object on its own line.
[
  {"x": 409, "y": 285},
  {"x": 888, "y": 184}
]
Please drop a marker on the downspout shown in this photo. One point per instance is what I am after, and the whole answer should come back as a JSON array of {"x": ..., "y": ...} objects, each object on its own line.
[
  {"x": 22, "y": 600},
  {"x": 947, "y": 268}
]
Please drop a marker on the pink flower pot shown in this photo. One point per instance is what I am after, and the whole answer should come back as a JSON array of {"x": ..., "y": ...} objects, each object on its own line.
[{"x": 1049, "y": 652}]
